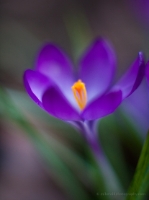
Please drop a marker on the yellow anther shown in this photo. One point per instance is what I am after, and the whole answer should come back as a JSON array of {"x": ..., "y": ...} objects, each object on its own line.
[{"x": 80, "y": 93}]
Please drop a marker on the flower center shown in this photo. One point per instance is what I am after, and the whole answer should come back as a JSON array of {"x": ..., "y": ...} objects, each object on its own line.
[{"x": 80, "y": 94}]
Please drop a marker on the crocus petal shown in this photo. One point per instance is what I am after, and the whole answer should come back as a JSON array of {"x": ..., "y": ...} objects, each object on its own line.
[
  {"x": 133, "y": 77},
  {"x": 102, "y": 106},
  {"x": 35, "y": 84},
  {"x": 53, "y": 63},
  {"x": 97, "y": 68},
  {"x": 55, "y": 103}
]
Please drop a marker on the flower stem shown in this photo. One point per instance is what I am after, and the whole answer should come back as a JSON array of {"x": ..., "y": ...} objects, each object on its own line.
[{"x": 110, "y": 178}]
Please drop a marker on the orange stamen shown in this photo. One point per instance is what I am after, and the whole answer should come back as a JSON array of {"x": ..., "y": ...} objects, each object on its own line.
[{"x": 80, "y": 93}]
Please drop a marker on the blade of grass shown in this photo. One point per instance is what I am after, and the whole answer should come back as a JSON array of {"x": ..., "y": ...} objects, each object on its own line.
[{"x": 140, "y": 183}]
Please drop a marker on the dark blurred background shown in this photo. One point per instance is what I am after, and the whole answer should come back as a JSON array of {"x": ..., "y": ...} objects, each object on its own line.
[{"x": 25, "y": 26}]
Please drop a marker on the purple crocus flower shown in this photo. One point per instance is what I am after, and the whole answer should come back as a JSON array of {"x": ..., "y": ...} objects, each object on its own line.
[
  {"x": 84, "y": 96},
  {"x": 87, "y": 94}
]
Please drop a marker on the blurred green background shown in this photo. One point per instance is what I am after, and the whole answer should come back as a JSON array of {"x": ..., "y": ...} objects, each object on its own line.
[{"x": 45, "y": 158}]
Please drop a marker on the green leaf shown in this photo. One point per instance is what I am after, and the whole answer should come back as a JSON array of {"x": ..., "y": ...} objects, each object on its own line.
[{"x": 140, "y": 183}]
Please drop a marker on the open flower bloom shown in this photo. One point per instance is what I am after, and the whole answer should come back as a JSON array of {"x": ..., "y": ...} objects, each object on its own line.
[{"x": 87, "y": 94}]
